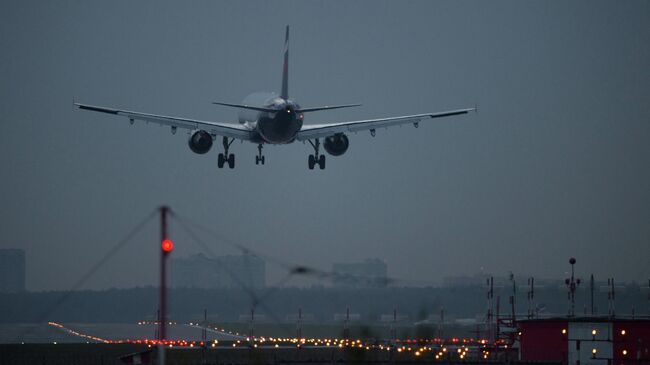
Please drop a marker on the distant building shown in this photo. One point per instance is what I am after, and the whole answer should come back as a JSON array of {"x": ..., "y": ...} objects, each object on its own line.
[
  {"x": 371, "y": 273},
  {"x": 233, "y": 271},
  {"x": 12, "y": 270}
]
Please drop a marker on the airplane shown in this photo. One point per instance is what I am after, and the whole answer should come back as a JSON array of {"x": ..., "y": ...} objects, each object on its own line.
[{"x": 268, "y": 118}]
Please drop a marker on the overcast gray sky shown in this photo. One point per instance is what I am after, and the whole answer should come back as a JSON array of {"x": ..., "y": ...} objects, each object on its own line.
[{"x": 555, "y": 164}]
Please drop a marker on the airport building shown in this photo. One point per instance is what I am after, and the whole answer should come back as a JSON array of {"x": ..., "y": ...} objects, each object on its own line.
[
  {"x": 371, "y": 273},
  {"x": 585, "y": 340},
  {"x": 12, "y": 270},
  {"x": 232, "y": 271}
]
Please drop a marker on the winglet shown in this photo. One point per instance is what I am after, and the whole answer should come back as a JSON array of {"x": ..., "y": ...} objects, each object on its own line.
[{"x": 285, "y": 67}]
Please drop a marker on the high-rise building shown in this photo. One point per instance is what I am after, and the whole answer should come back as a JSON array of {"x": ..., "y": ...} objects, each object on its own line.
[
  {"x": 12, "y": 270},
  {"x": 371, "y": 273},
  {"x": 232, "y": 271}
]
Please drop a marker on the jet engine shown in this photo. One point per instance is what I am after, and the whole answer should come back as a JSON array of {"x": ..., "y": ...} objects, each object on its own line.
[
  {"x": 200, "y": 142},
  {"x": 337, "y": 144}
]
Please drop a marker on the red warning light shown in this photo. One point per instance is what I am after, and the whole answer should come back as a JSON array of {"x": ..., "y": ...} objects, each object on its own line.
[{"x": 167, "y": 245}]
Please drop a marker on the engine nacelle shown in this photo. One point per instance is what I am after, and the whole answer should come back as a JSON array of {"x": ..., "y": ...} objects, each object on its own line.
[
  {"x": 337, "y": 144},
  {"x": 200, "y": 142}
]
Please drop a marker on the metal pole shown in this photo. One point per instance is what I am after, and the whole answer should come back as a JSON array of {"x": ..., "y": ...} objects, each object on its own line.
[
  {"x": 441, "y": 329},
  {"x": 163, "y": 272},
  {"x": 498, "y": 329},
  {"x": 393, "y": 326},
  {"x": 162, "y": 335},
  {"x": 514, "y": 288},
  {"x": 204, "y": 335},
  {"x": 532, "y": 297},
  {"x": 572, "y": 283},
  {"x": 591, "y": 287},
  {"x": 491, "y": 308},
  {"x": 156, "y": 325},
  {"x": 346, "y": 328},
  {"x": 204, "y": 332},
  {"x": 573, "y": 293},
  {"x": 299, "y": 325},
  {"x": 613, "y": 299},
  {"x": 251, "y": 330}
]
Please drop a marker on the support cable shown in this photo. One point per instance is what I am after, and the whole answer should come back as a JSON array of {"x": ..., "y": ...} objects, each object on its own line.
[
  {"x": 93, "y": 269},
  {"x": 256, "y": 300}
]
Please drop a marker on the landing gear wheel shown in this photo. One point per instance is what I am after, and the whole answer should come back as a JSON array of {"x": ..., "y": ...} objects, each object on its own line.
[
  {"x": 260, "y": 157},
  {"x": 316, "y": 158},
  {"x": 311, "y": 162},
  {"x": 225, "y": 156}
]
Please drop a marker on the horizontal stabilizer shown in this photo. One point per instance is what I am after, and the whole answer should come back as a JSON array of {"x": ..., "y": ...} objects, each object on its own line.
[
  {"x": 243, "y": 106},
  {"x": 307, "y": 110}
]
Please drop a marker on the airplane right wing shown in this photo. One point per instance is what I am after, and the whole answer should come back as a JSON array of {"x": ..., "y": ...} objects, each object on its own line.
[
  {"x": 325, "y": 130},
  {"x": 231, "y": 130}
]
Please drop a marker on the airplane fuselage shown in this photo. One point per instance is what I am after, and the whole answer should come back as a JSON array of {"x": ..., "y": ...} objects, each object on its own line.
[{"x": 279, "y": 127}]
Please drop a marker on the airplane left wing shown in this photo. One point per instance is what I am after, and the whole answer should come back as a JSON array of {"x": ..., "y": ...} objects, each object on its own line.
[
  {"x": 324, "y": 130},
  {"x": 220, "y": 129}
]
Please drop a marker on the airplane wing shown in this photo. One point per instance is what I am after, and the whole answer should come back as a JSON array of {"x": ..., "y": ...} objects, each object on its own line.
[
  {"x": 221, "y": 129},
  {"x": 324, "y": 130}
]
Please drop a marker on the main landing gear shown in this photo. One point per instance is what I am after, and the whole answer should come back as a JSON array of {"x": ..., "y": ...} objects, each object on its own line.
[
  {"x": 316, "y": 158},
  {"x": 225, "y": 156},
  {"x": 260, "y": 157}
]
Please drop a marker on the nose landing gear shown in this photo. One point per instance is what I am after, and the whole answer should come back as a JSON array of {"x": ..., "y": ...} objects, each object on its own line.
[
  {"x": 316, "y": 158},
  {"x": 260, "y": 157},
  {"x": 225, "y": 156}
]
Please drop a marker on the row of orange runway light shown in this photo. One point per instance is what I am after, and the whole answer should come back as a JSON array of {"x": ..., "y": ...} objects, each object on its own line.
[{"x": 436, "y": 348}]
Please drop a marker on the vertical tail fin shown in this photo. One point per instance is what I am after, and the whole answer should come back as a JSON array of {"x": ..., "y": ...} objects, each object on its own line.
[{"x": 285, "y": 68}]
